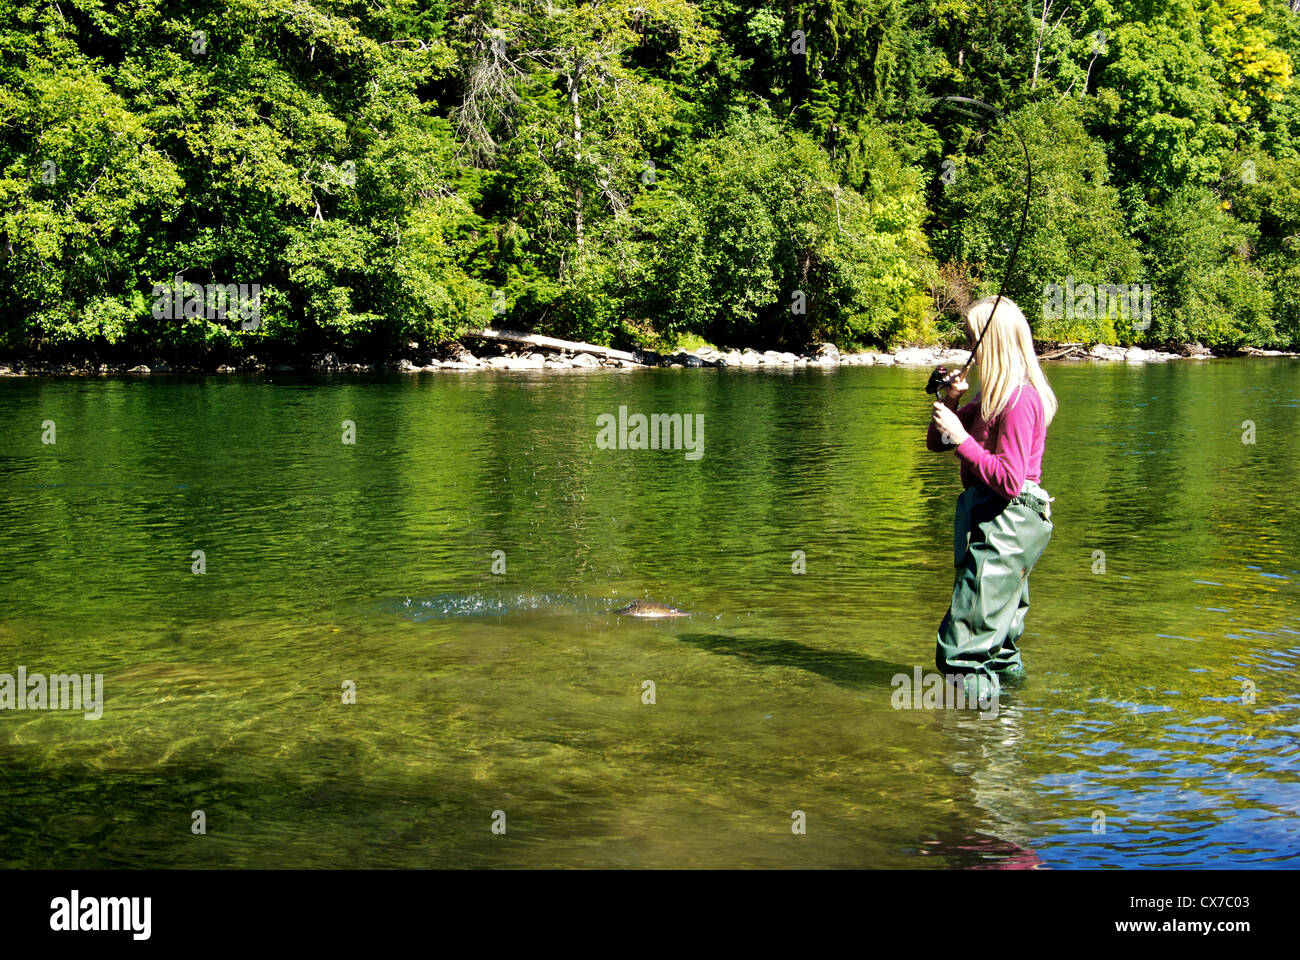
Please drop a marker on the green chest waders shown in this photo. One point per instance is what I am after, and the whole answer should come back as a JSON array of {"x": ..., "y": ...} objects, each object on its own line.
[{"x": 996, "y": 546}]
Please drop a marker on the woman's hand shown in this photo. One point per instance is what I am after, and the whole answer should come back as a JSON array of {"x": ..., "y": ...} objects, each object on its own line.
[
  {"x": 954, "y": 390},
  {"x": 949, "y": 425}
]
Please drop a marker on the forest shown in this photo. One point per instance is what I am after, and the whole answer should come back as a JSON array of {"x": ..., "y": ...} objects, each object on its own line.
[{"x": 200, "y": 181}]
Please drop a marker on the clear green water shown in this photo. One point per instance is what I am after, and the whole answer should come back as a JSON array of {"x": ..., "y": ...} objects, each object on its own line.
[{"x": 519, "y": 692}]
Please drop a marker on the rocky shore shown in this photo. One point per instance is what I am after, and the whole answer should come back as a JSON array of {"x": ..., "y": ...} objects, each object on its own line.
[{"x": 456, "y": 356}]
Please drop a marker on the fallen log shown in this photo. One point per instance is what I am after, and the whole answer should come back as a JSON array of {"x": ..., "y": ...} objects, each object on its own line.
[
  {"x": 1075, "y": 348},
  {"x": 551, "y": 343}
]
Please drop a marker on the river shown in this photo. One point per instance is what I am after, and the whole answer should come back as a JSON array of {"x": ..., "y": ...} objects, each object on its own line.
[{"x": 236, "y": 571}]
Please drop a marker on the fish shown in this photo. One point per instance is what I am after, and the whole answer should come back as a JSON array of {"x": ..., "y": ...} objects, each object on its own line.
[{"x": 649, "y": 610}]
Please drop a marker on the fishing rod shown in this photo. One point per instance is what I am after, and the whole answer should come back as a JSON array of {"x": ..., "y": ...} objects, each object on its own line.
[{"x": 940, "y": 377}]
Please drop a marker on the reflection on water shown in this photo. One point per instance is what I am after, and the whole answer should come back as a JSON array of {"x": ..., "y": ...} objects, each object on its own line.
[{"x": 1157, "y": 726}]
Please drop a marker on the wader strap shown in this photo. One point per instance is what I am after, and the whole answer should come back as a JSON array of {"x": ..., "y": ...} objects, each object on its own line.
[{"x": 962, "y": 527}]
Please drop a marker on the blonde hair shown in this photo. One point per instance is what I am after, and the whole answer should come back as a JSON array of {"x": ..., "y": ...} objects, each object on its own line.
[{"x": 1006, "y": 357}]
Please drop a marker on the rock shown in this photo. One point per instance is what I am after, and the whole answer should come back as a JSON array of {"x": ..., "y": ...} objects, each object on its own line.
[
  {"x": 226, "y": 368},
  {"x": 916, "y": 357},
  {"x": 140, "y": 369},
  {"x": 325, "y": 363},
  {"x": 500, "y": 363},
  {"x": 1101, "y": 351},
  {"x": 585, "y": 360},
  {"x": 749, "y": 358},
  {"x": 827, "y": 350},
  {"x": 558, "y": 363},
  {"x": 1258, "y": 352},
  {"x": 454, "y": 350},
  {"x": 801, "y": 362},
  {"x": 688, "y": 360},
  {"x": 884, "y": 360},
  {"x": 771, "y": 356},
  {"x": 1136, "y": 355}
]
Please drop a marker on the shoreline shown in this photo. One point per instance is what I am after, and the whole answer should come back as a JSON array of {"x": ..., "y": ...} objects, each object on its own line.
[{"x": 457, "y": 358}]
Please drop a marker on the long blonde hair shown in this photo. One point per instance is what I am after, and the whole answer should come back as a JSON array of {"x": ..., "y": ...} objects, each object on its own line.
[{"x": 1006, "y": 357}]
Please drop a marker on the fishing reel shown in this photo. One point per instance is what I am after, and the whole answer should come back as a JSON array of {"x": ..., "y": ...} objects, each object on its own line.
[{"x": 939, "y": 378}]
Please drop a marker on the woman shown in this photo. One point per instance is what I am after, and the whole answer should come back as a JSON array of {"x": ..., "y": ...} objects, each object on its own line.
[{"x": 1003, "y": 517}]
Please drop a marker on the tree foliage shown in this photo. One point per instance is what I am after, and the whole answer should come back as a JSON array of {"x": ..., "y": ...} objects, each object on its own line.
[{"x": 753, "y": 173}]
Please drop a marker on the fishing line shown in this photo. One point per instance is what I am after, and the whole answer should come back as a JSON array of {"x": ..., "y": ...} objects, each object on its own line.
[{"x": 940, "y": 378}]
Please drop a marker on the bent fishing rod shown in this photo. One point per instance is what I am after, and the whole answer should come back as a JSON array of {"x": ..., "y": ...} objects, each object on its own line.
[{"x": 941, "y": 378}]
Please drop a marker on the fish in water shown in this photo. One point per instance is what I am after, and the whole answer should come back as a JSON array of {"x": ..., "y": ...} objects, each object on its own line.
[{"x": 649, "y": 610}]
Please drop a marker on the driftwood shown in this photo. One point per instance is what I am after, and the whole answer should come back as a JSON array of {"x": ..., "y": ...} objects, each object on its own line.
[
  {"x": 551, "y": 343},
  {"x": 1076, "y": 349}
]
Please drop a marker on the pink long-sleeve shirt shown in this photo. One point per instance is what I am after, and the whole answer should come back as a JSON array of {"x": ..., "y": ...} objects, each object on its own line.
[{"x": 1005, "y": 453}]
